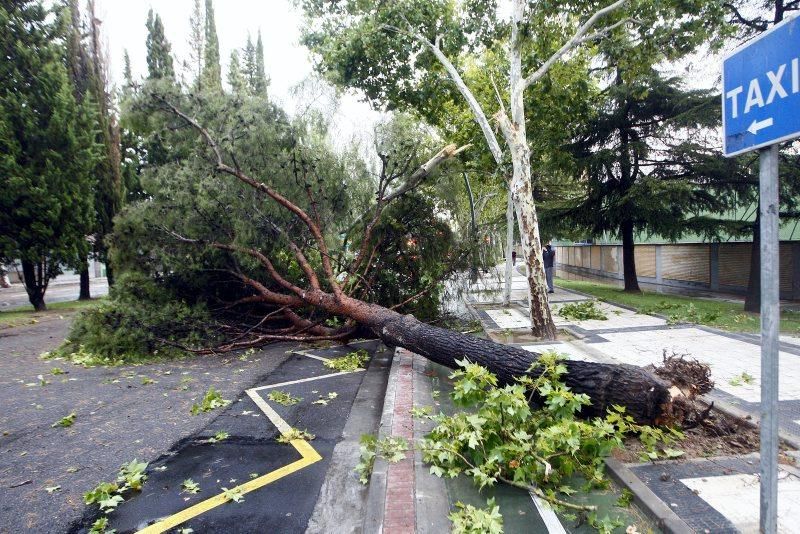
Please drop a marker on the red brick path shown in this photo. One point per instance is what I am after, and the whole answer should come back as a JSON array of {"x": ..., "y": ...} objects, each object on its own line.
[{"x": 399, "y": 514}]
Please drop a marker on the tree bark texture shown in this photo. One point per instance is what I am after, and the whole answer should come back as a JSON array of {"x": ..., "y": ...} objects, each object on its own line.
[
  {"x": 85, "y": 291},
  {"x": 509, "y": 250},
  {"x": 542, "y": 324},
  {"x": 514, "y": 131},
  {"x": 473, "y": 232},
  {"x": 541, "y": 319},
  {"x": 33, "y": 275},
  {"x": 646, "y": 398},
  {"x": 752, "y": 301},
  {"x": 629, "y": 258}
]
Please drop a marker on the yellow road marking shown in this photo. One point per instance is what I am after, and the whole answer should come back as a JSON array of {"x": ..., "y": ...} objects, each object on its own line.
[
  {"x": 308, "y": 456},
  {"x": 204, "y": 506}
]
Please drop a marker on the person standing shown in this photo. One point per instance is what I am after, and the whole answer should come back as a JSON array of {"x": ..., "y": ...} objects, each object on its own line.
[{"x": 549, "y": 254}]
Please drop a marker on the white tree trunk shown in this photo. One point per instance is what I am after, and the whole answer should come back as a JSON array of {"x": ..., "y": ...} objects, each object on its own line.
[
  {"x": 509, "y": 249},
  {"x": 541, "y": 319},
  {"x": 521, "y": 187}
]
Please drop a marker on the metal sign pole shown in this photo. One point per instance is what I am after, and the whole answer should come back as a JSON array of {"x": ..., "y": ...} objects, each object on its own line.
[{"x": 770, "y": 319}]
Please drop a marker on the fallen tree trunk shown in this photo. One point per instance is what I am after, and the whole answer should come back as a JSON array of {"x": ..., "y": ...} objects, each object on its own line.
[{"x": 645, "y": 397}]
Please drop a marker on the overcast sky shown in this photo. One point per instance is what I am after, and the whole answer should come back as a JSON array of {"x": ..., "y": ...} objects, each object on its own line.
[{"x": 287, "y": 63}]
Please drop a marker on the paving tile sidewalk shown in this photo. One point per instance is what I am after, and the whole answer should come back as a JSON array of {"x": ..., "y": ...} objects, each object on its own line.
[{"x": 713, "y": 495}]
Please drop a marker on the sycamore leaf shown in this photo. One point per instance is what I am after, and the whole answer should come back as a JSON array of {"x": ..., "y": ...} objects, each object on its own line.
[{"x": 111, "y": 502}]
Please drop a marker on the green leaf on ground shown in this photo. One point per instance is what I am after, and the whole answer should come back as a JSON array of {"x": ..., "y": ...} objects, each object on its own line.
[
  {"x": 190, "y": 486},
  {"x": 468, "y": 519},
  {"x": 349, "y": 362},
  {"x": 582, "y": 311},
  {"x": 742, "y": 378},
  {"x": 211, "y": 401},
  {"x": 132, "y": 475},
  {"x": 392, "y": 449},
  {"x": 219, "y": 436},
  {"x": 625, "y": 499},
  {"x": 101, "y": 527},
  {"x": 294, "y": 434},
  {"x": 65, "y": 422},
  {"x": 236, "y": 494},
  {"x": 283, "y": 398}
]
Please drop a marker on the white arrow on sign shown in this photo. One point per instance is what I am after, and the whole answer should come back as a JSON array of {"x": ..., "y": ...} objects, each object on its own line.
[{"x": 759, "y": 125}]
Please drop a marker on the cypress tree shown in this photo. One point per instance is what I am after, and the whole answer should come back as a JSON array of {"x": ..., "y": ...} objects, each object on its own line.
[
  {"x": 260, "y": 84},
  {"x": 108, "y": 195},
  {"x": 78, "y": 61},
  {"x": 159, "y": 57},
  {"x": 236, "y": 78},
  {"x": 46, "y": 149},
  {"x": 197, "y": 42},
  {"x": 250, "y": 64},
  {"x": 126, "y": 69},
  {"x": 212, "y": 72},
  {"x": 79, "y": 69}
]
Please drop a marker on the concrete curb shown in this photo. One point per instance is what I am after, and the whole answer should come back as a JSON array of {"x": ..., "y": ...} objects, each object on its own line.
[
  {"x": 431, "y": 498},
  {"x": 648, "y": 501},
  {"x": 342, "y": 498},
  {"x": 376, "y": 494},
  {"x": 472, "y": 311}
]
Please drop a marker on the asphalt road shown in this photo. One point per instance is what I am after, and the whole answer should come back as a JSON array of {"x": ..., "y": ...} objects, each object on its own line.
[
  {"x": 15, "y": 296},
  {"x": 120, "y": 416},
  {"x": 279, "y": 483}
]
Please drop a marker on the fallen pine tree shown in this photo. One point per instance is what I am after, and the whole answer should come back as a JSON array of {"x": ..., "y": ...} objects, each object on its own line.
[
  {"x": 293, "y": 267},
  {"x": 336, "y": 291}
]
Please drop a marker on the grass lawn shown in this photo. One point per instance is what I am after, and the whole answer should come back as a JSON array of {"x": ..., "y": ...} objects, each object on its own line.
[
  {"x": 723, "y": 315},
  {"x": 27, "y": 315}
]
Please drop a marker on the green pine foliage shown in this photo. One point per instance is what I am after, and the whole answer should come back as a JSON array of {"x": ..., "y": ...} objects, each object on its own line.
[
  {"x": 644, "y": 166},
  {"x": 175, "y": 289},
  {"x": 142, "y": 319},
  {"x": 47, "y": 149}
]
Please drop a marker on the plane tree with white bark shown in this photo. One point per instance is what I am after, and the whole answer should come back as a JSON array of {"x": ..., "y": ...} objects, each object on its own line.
[{"x": 405, "y": 53}]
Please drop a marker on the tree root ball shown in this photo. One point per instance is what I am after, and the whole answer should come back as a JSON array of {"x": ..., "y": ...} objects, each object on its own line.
[{"x": 692, "y": 377}]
